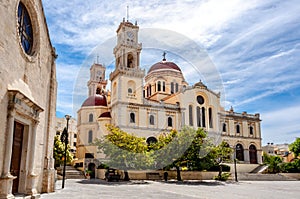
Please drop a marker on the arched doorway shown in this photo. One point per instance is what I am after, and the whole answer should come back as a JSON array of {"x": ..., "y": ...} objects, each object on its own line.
[
  {"x": 239, "y": 152},
  {"x": 151, "y": 140},
  {"x": 253, "y": 154},
  {"x": 91, "y": 167}
]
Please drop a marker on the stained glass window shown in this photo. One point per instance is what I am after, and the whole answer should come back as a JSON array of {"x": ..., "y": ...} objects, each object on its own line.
[{"x": 25, "y": 29}]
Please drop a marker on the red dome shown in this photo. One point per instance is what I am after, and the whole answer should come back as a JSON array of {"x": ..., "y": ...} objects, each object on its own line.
[
  {"x": 105, "y": 114},
  {"x": 96, "y": 100},
  {"x": 164, "y": 65}
]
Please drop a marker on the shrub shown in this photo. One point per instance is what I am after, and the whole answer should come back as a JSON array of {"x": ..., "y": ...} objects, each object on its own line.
[
  {"x": 102, "y": 166},
  {"x": 223, "y": 177},
  {"x": 291, "y": 167}
]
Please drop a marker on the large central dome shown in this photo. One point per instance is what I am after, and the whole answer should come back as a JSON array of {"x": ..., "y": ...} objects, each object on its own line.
[
  {"x": 96, "y": 100},
  {"x": 164, "y": 65}
]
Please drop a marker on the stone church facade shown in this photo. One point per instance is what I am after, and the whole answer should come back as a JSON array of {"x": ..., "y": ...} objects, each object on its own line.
[
  {"x": 151, "y": 103},
  {"x": 27, "y": 100}
]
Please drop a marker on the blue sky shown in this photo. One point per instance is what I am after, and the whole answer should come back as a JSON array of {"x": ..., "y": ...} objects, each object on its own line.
[{"x": 254, "y": 45}]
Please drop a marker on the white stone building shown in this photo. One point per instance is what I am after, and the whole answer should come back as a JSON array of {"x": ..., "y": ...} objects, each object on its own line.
[
  {"x": 27, "y": 100},
  {"x": 148, "y": 104}
]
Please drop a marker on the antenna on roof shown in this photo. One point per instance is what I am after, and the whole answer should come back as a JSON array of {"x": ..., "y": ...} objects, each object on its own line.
[
  {"x": 97, "y": 59},
  {"x": 127, "y": 13}
]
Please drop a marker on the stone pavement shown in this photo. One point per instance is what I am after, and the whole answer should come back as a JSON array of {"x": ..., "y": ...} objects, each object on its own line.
[{"x": 174, "y": 190}]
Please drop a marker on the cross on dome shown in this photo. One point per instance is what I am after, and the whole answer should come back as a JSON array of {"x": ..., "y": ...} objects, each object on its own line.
[{"x": 164, "y": 56}]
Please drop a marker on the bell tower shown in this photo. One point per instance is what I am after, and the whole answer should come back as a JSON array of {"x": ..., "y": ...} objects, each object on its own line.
[
  {"x": 97, "y": 83},
  {"x": 127, "y": 78}
]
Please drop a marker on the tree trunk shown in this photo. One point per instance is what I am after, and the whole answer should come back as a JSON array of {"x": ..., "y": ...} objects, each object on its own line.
[
  {"x": 126, "y": 176},
  {"x": 178, "y": 174},
  {"x": 220, "y": 172}
]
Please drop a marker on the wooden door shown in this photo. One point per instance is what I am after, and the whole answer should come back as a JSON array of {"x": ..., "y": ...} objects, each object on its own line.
[{"x": 16, "y": 154}]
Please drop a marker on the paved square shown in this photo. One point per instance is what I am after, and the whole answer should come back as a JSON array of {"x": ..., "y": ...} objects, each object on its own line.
[{"x": 192, "y": 189}]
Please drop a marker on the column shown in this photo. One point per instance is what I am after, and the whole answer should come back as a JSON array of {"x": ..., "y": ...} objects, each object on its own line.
[
  {"x": 9, "y": 143},
  {"x": 6, "y": 179},
  {"x": 246, "y": 155},
  {"x": 32, "y": 147},
  {"x": 31, "y": 185}
]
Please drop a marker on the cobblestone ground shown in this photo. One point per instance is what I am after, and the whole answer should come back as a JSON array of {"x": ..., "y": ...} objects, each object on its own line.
[{"x": 148, "y": 189}]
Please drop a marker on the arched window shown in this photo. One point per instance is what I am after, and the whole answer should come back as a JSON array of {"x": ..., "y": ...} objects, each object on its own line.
[
  {"x": 238, "y": 128},
  {"x": 253, "y": 154},
  {"x": 91, "y": 117},
  {"x": 172, "y": 87},
  {"x": 151, "y": 120},
  {"x": 203, "y": 117},
  {"x": 164, "y": 86},
  {"x": 170, "y": 122},
  {"x": 239, "y": 152},
  {"x": 191, "y": 115},
  {"x": 114, "y": 89},
  {"x": 129, "y": 91},
  {"x": 176, "y": 87},
  {"x": 210, "y": 117},
  {"x": 149, "y": 89},
  {"x": 224, "y": 127},
  {"x": 131, "y": 87},
  {"x": 90, "y": 138},
  {"x": 130, "y": 61},
  {"x": 98, "y": 91},
  {"x": 198, "y": 116},
  {"x": 158, "y": 86},
  {"x": 132, "y": 118},
  {"x": 151, "y": 140},
  {"x": 251, "y": 130}
]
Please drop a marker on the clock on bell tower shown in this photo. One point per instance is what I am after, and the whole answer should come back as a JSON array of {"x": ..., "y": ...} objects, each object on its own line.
[
  {"x": 127, "y": 50},
  {"x": 127, "y": 78}
]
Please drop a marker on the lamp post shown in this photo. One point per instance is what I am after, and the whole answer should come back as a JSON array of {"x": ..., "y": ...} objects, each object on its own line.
[
  {"x": 64, "y": 139},
  {"x": 234, "y": 161}
]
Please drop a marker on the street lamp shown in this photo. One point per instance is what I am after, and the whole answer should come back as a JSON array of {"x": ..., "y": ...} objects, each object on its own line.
[
  {"x": 64, "y": 139},
  {"x": 234, "y": 161}
]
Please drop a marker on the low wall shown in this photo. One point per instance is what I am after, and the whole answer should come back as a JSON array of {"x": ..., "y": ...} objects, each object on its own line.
[
  {"x": 292, "y": 175},
  {"x": 242, "y": 168},
  {"x": 159, "y": 175}
]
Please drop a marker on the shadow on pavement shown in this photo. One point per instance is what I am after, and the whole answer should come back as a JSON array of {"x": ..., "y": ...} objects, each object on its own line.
[
  {"x": 112, "y": 183},
  {"x": 141, "y": 182},
  {"x": 205, "y": 183}
]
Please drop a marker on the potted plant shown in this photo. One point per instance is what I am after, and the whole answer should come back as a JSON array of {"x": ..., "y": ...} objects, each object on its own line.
[{"x": 88, "y": 174}]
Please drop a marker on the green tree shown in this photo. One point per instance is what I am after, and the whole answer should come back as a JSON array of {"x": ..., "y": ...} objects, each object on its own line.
[
  {"x": 273, "y": 163},
  {"x": 59, "y": 150},
  {"x": 178, "y": 149},
  {"x": 295, "y": 147},
  {"x": 221, "y": 154},
  {"x": 173, "y": 149},
  {"x": 124, "y": 151}
]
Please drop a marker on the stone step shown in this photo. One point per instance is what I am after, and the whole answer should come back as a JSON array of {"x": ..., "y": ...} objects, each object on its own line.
[
  {"x": 263, "y": 177},
  {"x": 71, "y": 173}
]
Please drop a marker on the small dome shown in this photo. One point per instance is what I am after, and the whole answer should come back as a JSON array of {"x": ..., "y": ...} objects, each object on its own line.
[
  {"x": 105, "y": 114},
  {"x": 164, "y": 65},
  {"x": 96, "y": 100}
]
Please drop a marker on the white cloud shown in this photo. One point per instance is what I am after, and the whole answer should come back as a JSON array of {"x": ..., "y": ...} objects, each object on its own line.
[{"x": 281, "y": 125}]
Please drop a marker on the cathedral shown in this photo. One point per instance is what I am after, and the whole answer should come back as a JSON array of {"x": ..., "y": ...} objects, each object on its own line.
[
  {"x": 27, "y": 100},
  {"x": 148, "y": 103}
]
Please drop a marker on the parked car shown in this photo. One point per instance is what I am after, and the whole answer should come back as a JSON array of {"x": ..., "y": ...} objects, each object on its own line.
[{"x": 112, "y": 175}]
